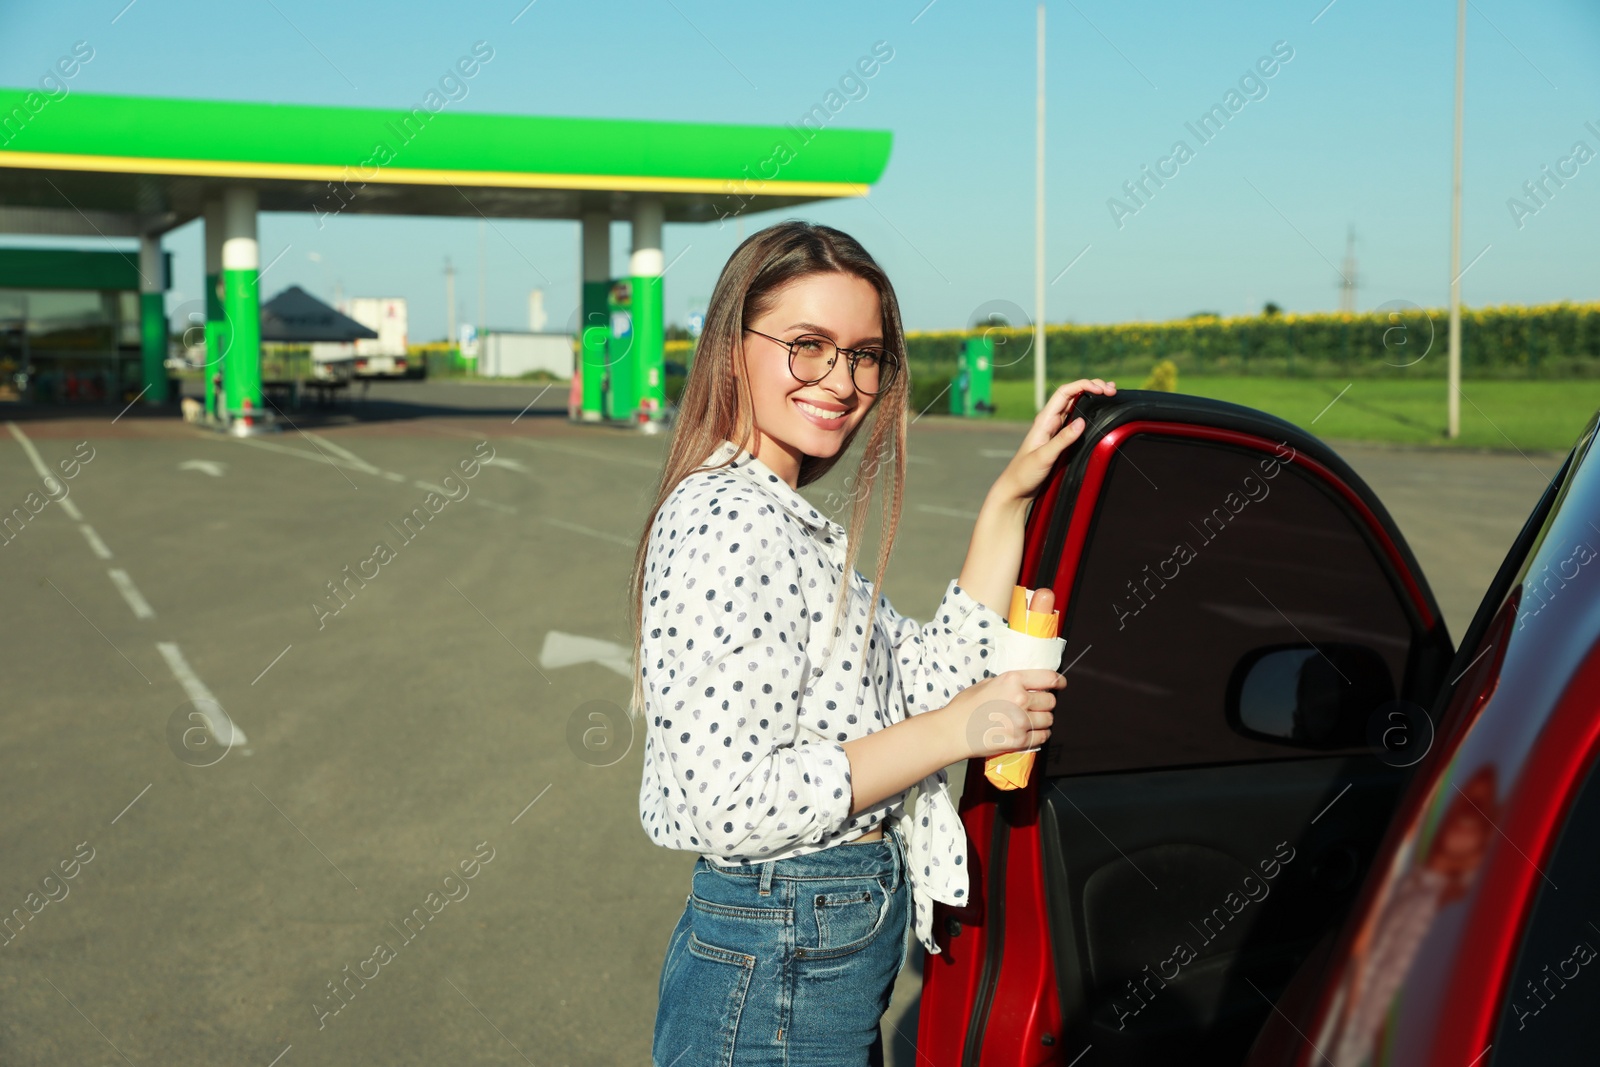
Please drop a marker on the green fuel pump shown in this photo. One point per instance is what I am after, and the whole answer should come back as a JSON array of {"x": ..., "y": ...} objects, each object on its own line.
[
  {"x": 622, "y": 380},
  {"x": 649, "y": 348},
  {"x": 636, "y": 385},
  {"x": 972, "y": 390},
  {"x": 594, "y": 333}
]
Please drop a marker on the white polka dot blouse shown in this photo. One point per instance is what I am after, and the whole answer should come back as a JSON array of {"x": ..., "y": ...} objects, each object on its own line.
[{"x": 747, "y": 708}]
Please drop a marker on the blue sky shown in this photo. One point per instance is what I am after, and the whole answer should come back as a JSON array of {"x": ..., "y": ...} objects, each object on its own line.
[{"x": 1354, "y": 129}]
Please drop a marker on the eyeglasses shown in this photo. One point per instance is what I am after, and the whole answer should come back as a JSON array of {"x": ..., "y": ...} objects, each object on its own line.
[{"x": 811, "y": 357}]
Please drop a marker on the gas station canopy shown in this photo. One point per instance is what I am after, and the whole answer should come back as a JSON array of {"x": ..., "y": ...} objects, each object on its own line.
[
  {"x": 129, "y": 166},
  {"x": 159, "y": 159}
]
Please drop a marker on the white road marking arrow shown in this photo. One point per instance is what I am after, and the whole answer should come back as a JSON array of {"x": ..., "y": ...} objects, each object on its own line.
[
  {"x": 567, "y": 650},
  {"x": 207, "y": 466},
  {"x": 506, "y": 462}
]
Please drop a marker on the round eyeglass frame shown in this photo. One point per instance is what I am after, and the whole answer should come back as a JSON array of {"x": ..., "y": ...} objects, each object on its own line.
[{"x": 888, "y": 369}]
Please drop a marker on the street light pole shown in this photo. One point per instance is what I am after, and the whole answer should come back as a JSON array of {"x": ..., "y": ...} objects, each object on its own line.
[
  {"x": 450, "y": 302},
  {"x": 1038, "y": 229},
  {"x": 1454, "y": 400}
]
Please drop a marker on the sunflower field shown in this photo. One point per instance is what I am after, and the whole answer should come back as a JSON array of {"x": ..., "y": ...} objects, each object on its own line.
[{"x": 1398, "y": 341}]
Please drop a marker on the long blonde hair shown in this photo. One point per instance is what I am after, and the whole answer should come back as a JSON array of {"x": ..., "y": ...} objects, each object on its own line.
[{"x": 709, "y": 411}]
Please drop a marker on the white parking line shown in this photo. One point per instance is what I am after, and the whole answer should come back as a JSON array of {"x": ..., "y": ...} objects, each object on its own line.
[
  {"x": 223, "y": 730},
  {"x": 97, "y": 545},
  {"x": 567, "y": 650},
  {"x": 338, "y": 450},
  {"x": 362, "y": 466},
  {"x": 632, "y": 461},
  {"x": 43, "y": 471},
  {"x": 954, "y": 513},
  {"x": 442, "y": 491},
  {"x": 141, "y": 607}
]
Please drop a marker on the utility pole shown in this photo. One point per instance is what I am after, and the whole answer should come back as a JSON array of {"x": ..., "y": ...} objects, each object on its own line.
[
  {"x": 483, "y": 242},
  {"x": 1454, "y": 400},
  {"x": 1347, "y": 283},
  {"x": 1038, "y": 228},
  {"x": 450, "y": 301}
]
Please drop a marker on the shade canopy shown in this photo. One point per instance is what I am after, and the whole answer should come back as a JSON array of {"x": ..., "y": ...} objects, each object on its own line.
[
  {"x": 296, "y": 315},
  {"x": 100, "y": 158}
]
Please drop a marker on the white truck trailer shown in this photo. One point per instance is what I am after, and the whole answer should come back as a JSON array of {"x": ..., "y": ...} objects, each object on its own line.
[{"x": 380, "y": 357}]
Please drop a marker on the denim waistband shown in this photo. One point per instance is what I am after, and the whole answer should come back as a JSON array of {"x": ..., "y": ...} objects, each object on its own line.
[{"x": 869, "y": 858}]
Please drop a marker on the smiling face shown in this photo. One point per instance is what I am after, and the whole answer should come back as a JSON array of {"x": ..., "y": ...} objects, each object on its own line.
[{"x": 840, "y": 306}]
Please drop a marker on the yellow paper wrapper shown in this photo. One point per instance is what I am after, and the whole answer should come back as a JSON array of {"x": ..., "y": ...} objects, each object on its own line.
[{"x": 1011, "y": 770}]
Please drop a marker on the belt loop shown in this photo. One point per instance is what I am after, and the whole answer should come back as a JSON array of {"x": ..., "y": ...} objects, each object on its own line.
[
  {"x": 766, "y": 878},
  {"x": 899, "y": 851}
]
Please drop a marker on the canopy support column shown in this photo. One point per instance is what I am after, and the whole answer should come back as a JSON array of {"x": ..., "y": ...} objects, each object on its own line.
[
  {"x": 241, "y": 304},
  {"x": 216, "y": 321},
  {"x": 646, "y": 266},
  {"x": 152, "y": 320},
  {"x": 593, "y": 320}
]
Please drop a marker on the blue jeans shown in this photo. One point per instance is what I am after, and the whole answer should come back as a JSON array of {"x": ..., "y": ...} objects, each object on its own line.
[{"x": 786, "y": 963}]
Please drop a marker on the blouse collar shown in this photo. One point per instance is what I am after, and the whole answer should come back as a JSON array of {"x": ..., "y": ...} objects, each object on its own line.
[{"x": 758, "y": 472}]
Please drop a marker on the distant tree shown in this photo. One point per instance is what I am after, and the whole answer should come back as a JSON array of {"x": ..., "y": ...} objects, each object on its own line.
[
  {"x": 1270, "y": 308},
  {"x": 1163, "y": 377},
  {"x": 1204, "y": 315}
]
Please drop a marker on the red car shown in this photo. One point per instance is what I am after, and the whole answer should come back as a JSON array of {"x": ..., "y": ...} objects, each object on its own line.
[{"x": 1282, "y": 818}]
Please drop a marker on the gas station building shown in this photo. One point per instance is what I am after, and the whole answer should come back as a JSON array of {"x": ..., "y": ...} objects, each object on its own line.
[{"x": 138, "y": 167}]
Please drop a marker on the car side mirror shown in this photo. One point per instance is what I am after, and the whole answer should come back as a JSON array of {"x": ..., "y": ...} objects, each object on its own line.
[{"x": 1309, "y": 696}]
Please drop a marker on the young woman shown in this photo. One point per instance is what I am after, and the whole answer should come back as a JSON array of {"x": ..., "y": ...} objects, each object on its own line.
[{"x": 780, "y": 746}]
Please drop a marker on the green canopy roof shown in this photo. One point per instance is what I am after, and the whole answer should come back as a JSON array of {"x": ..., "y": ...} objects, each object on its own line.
[{"x": 161, "y": 158}]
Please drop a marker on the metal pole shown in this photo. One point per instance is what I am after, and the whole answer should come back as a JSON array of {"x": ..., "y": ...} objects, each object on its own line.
[
  {"x": 1454, "y": 423},
  {"x": 450, "y": 301},
  {"x": 1038, "y": 229},
  {"x": 483, "y": 258}
]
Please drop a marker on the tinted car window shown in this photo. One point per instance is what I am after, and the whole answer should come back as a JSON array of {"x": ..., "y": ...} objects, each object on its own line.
[
  {"x": 1549, "y": 1015},
  {"x": 1201, "y": 554}
]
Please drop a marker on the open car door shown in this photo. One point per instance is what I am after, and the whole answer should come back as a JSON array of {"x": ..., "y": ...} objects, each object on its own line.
[{"x": 1249, "y": 644}]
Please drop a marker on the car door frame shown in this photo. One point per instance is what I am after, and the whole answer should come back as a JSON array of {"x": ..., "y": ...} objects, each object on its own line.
[{"x": 974, "y": 1009}]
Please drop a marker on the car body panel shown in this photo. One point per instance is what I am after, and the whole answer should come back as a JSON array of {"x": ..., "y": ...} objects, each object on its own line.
[{"x": 1421, "y": 972}]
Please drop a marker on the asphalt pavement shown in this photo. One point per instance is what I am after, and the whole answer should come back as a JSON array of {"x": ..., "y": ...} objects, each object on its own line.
[{"x": 424, "y": 844}]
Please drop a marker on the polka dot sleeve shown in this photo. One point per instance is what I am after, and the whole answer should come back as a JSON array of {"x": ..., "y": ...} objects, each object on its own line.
[
  {"x": 939, "y": 659},
  {"x": 724, "y": 639}
]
